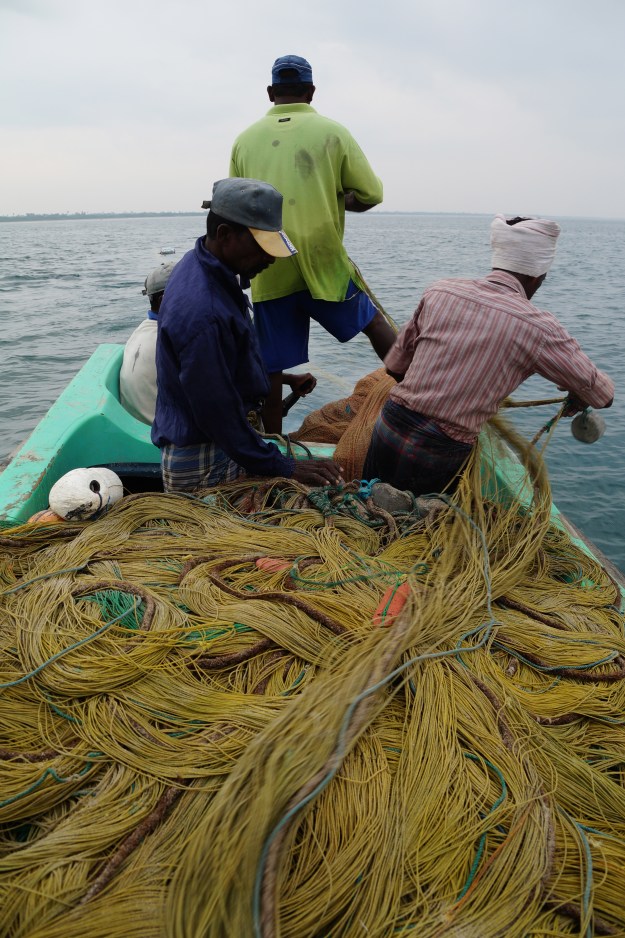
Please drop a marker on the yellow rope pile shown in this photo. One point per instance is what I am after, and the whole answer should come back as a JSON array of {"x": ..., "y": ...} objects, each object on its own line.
[{"x": 215, "y": 720}]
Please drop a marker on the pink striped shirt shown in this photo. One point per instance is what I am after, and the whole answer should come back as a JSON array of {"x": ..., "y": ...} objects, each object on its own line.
[{"x": 471, "y": 343}]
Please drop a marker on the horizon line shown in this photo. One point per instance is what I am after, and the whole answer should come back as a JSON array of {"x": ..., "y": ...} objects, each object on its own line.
[{"x": 78, "y": 216}]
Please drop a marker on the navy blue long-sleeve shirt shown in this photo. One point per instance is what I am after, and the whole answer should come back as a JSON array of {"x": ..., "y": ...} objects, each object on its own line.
[{"x": 209, "y": 370}]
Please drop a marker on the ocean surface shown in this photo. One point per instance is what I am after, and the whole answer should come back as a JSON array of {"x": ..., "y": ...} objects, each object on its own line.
[{"x": 66, "y": 286}]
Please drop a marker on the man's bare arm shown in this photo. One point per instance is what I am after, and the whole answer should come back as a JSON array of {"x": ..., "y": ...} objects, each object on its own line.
[{"x": 353, "y": 205}]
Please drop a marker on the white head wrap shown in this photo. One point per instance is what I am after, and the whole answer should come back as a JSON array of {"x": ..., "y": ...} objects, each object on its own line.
[{"x": 528, "y": 247}]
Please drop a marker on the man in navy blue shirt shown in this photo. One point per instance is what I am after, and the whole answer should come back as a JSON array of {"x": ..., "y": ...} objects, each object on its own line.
[{"x": 211, "y": 378}]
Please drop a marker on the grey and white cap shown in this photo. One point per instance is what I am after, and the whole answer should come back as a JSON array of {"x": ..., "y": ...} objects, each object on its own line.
[
  {"x": 258, "y": 206},
  {"x": 156, "y": 280}
]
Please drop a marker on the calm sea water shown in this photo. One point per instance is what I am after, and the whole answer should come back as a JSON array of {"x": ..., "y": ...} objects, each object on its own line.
[{"x": 66, "y": 286}]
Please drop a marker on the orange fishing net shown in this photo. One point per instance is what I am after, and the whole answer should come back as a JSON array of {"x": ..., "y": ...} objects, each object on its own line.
[{"x": 349, "y": 422}]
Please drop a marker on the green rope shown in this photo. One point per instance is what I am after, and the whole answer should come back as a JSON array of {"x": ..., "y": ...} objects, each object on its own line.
[
  {"x": 482, "y": 841},
  {"x": 48, "y": 773},
  {"x": 64, "y": 651},
  {"x": 44, "y": 576},
  {"x": 117, "y": 603}
]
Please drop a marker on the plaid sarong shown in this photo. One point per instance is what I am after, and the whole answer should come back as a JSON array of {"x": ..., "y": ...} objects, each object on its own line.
[
  {"x": 411, "y": 452},
  {"x": 188, "y": 468}
]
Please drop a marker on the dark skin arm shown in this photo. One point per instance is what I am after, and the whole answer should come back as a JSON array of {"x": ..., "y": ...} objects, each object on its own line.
[
  {"x": 395, "y": 374},
  {"x": 314, "y": 472},
  {"x": 272, "y": 409},
  {"x": 576, "y": 405},
  {"x": 303, "y": 384},
  {"x": 353, "y": 205},
  {"x": 381, "y": 335}
]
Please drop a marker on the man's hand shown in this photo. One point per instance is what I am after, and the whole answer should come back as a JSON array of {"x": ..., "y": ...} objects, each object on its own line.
[
  {"x": 317, "y": 472},
  {"x": 572, "y": 405},
  {"x": 301, "y": 384}
]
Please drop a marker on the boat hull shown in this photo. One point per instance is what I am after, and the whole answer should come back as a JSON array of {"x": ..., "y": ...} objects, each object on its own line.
[{"x": 86, "y": 426}]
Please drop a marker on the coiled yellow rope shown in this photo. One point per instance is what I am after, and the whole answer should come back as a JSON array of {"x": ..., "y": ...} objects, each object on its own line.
[{"x": 194, "y": 741}]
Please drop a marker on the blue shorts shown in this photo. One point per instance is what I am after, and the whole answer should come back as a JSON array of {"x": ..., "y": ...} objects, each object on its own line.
[{"x": 283, "y": 325}]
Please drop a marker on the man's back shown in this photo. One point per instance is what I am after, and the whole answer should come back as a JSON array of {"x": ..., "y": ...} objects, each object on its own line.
[
  {"x": 321, "y": 172},
  {"x": 313, "y": 161},
  {"x": 471, "y": 343},
  {"x": 137, "y": 376}
]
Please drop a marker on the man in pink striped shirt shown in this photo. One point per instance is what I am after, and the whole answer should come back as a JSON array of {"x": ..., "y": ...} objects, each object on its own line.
[{"x": 469, "y": 345}]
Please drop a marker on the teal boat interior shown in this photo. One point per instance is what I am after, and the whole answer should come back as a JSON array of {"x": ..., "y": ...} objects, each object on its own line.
[{"x": 87, "y": 426}]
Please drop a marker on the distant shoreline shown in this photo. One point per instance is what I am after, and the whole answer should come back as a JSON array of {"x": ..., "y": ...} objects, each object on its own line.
[
  {"x": 85, "y": 216},
  {"x": 88, "y": 216}
]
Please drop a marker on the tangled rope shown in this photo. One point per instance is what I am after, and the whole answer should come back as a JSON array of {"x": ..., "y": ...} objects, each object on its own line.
[{"x": 273, "y": 711}]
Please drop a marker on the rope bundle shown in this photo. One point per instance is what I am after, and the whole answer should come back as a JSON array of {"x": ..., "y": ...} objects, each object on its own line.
[{"x": 272, "y": 712}]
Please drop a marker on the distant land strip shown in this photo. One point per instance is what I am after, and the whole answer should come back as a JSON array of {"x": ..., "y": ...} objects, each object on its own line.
[{"x": 80, "y": 216}]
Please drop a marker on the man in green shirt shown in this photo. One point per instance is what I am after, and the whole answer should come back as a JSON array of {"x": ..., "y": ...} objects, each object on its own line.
[{"x": 322, "y": 172}]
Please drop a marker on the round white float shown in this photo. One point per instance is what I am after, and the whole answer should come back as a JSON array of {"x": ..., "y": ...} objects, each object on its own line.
[{"x": 84, "y": 493}]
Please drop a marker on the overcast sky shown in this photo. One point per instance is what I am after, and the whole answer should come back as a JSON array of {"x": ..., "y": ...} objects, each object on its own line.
[{"x": 460, "y": 105}]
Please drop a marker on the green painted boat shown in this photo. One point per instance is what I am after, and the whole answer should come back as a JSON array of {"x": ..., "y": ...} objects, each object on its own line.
[{"x": 87, "y": 426}]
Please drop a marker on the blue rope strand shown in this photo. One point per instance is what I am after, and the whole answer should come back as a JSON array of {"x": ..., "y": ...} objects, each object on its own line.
[
  {"x": 64, "y": 651},
  {"x": 47, "y": 773},
  {"x": 44, "y": 576},
  {"x": 589, "y": 875},
  {"x": 482, "y": 840},
  {"x": 557, "y": 667}
]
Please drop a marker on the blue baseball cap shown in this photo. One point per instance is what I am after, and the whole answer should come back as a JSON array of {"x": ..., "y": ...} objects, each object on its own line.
[{"x": 294, "y": 63}]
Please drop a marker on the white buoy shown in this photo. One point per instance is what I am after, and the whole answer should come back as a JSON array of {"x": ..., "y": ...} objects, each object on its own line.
[
  {"x": 588, "y": 426},
  {"x": 84, "y": 493}
]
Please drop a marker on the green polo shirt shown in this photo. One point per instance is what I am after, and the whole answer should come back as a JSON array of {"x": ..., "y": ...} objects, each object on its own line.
[{"x": 312, "y": 161}]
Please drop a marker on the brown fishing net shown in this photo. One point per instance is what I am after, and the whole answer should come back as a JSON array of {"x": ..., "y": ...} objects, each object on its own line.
[{"x": 349, "y": 422}]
